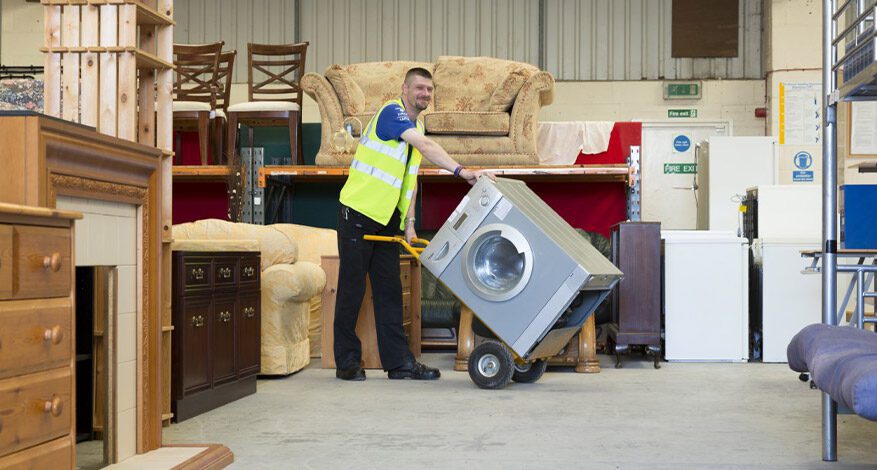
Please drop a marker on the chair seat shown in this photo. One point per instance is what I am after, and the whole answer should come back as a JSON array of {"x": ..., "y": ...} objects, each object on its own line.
[
  {"x": 263, "y": 106},
  {"x": 220, "y": 114},
  {"x": 190, "y": 106}
]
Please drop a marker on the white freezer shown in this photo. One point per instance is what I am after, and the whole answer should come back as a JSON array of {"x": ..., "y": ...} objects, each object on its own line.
[
  {"x": 727, "y": 166},
  {"x": 790, "y": 300},
  {"x": 706, "y": 303},
  {"x": 789, "y": 212}
]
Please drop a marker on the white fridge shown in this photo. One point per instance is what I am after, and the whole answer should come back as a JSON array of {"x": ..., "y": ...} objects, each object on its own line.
[
  {"x": 787, "y": 299},
  {"x": 706, "y": 303},
  {"x": 726, "y": 166}
]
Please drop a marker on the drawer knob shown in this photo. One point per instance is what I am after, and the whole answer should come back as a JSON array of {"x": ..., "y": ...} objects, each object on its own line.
[
  {"x": 250, "y": 312},
  {"x": 52, "y": 262},
  {"x": 198, "y": 274},
  {"x": 54, "y": 334},
  {"x": 225, "y": 316},
  {"x": 54, "y": 406},
  {"x": 225, "y": 273},
  {"x": 249, "y": 271},
  {"x": 198, "y": 321}
]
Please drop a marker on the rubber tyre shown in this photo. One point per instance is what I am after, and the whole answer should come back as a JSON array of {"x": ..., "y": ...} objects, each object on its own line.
[
  {"x": 491, "y": 365},
  {"x": 529, "y": 372}
]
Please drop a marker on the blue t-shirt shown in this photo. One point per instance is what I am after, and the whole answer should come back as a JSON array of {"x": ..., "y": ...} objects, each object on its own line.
[{"x": 392, "y": 122}]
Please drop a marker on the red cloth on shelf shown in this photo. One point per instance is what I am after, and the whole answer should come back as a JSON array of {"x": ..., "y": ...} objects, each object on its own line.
[
  {"x": 592, "y": 206},
  {"x": 624, "y": 134}
]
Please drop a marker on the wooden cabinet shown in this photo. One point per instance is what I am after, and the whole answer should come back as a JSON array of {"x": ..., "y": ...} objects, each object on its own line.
[
  {"x": 409, "y": 272},
  {"x": 36, "y": 338},
  {"x": 636, "y": 301},
  {"x": 217, "y": 329}
]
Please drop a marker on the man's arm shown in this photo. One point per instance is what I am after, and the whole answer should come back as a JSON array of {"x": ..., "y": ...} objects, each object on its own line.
[
  {"x": 437, "y": 155},
  {"x": 410, "y": 233}
]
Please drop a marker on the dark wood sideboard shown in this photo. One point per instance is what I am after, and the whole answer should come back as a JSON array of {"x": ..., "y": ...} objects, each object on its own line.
[
  {"x": 636, "y": 300},
  {"x": 217, "y": 329}
]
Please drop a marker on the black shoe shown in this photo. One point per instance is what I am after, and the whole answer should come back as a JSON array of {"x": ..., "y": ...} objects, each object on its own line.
[
  {"x": 414, "y": 371},
  {"x": 354, "y": 373}
]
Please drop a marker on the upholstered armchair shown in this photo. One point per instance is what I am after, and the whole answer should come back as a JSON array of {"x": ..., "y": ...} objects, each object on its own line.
[
  {"x": 485, "y": 110},
  {"x": 290, "y": 282}
]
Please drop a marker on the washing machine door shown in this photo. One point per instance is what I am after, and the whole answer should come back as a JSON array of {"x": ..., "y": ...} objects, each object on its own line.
[{"x": 497, "y": 262}]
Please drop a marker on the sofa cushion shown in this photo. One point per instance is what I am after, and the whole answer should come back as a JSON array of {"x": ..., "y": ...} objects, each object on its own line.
[
  {"x": 476, "y": 144},
  {"x": 463, "y": 122},
  {"x": 349, "y": 93},
  {"x": 468, "y": 83},
  {"x": 381, "y": 81}
]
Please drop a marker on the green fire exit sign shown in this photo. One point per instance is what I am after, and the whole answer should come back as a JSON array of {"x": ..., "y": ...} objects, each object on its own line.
[
  {"x": 680, "y": 168},
  {"x": 682, "y": 90},
  {"x": 681, "y": 113}
]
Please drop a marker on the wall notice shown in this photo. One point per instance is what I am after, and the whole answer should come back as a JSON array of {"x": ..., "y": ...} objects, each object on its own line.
[
  {"x": 863, "y": 128},
  {"x": 800, "y": 113}
]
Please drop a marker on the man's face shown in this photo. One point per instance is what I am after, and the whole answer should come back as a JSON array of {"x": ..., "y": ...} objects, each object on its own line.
[{"x": 418, "y": 92}]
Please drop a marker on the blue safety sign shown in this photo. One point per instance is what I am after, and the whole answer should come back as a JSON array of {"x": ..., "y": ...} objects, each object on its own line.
[
  {"x": 681, "y": 143},
  {"x": 802, "y": 176},
  {"x": 803, "y": 160}
]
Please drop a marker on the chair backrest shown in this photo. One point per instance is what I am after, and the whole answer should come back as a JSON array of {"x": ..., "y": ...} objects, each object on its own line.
[
  {"x": 196, "y": 72},
  {"x": 282, "y": 65},
  {"x": 224, "y": 78}
]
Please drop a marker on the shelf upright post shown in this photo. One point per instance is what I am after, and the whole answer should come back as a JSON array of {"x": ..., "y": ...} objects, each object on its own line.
[{"x": 829, "y": 212}]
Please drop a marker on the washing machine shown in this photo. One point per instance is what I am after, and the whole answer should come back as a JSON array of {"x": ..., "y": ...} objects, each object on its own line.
[{"x": 521, "y": 269}]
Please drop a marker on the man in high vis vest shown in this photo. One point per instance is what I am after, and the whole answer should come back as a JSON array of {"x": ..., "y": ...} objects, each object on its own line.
[{"x": 378, "y": 199}]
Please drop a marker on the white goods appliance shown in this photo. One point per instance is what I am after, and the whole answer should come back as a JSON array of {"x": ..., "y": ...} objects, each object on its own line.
[
  {"x": 705, "y": 296},
  {"x": 726, "y": 166},
  {"x": 783, "y": 211},
  {"x": 785, "y": 298}
]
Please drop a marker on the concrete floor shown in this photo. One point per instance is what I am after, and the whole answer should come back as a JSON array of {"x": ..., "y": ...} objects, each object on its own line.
[{"x": 684, "y": 415}]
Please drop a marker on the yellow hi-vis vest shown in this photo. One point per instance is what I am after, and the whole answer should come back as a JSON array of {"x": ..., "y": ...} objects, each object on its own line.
[{"x": 382, "y": 178}]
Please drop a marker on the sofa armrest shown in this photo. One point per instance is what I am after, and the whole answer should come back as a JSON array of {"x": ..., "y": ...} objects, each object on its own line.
[
  {"x": 313, "y": 242},
  {"x": 537, "y": 91},
  {"x": 318, "y": 88},
  {"x": 298, "y": 282}
]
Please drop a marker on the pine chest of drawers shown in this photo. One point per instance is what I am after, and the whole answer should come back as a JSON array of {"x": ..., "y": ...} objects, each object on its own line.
[{"x": 36, "y": 338}]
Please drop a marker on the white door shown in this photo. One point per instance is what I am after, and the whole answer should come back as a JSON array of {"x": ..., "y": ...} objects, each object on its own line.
[{"x": 668, "y": 170}]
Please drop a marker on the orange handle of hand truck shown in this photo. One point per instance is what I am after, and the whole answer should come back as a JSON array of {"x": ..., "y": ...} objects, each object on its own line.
[{"x": 414, "y": 250}]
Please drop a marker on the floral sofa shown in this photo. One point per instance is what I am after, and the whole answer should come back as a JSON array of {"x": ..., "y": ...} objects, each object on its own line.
[
  {"x": 291, "y": 281},
  {"x": 484, "y": 110}
]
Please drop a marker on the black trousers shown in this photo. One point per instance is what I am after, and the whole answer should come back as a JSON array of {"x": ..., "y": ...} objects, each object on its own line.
[{"x": 380, "y": 260}]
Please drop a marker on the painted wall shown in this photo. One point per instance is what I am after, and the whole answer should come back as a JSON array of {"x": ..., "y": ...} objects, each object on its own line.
[{"x": 572, "y": 39}]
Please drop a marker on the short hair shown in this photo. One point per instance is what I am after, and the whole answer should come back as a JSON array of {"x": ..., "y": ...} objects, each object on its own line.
[{"x": 417, "y": 72}]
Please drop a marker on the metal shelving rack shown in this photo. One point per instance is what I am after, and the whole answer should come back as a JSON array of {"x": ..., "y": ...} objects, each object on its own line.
[{"x": 849, "y": 73}]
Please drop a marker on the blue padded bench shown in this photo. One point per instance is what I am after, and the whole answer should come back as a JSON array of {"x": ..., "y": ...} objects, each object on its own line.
[{"x": 842, "y": 362}]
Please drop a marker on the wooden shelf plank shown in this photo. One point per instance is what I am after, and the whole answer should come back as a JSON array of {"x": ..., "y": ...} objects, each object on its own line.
[
  {"x": 145, "y": 14},
  {"x": 206, "y": 173},
  {"x": 581, "y": 173},
  {"x": 146, "y": 60}
]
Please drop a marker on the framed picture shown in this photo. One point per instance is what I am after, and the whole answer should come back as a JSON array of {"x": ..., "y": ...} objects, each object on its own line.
[{"x": 862, "y": 135}]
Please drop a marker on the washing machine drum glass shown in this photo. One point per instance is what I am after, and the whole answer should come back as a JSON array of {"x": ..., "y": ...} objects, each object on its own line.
[{"x": 497, "y": 263}]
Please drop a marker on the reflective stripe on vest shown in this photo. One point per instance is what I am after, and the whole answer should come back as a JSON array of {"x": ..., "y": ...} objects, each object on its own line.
[
  {"x": 382, "y": 177},
  {"x": 377, "y": 173}
]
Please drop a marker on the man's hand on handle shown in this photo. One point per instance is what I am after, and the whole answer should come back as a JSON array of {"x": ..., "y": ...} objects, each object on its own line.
[
  {"x": 410, "y": 234},
  {"x": 471, "y": 176}
]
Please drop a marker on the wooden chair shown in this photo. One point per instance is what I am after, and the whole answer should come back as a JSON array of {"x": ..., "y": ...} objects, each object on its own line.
[
  {"x": 277, "y": 99},
  {"x": 224, "y": 75},
  {"x": 195, "y": 90}
]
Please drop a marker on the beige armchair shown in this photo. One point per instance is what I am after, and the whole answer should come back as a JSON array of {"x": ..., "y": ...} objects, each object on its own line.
[
  {"x": 290, "y": 283},
  {"x": 485, "y": 110}
]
